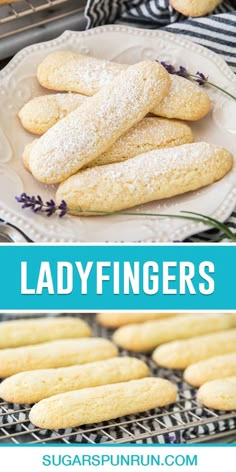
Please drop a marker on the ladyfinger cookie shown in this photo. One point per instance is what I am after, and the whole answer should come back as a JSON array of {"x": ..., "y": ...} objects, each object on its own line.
[
  {"x": 151, "y": 334},
  {"x": 92, "y": 405},
  {"x": 27, "y": 152},
  {"x": 195, "y": 7},
  {"x": 181, "y": 354},
  {"x": 115, "y": 320},
  {"x": 92, "y": 128},
  {"x": 219, "y": 394},
  {"x": 185, "y": 101},
  {"x": 41, "y": 113},
  {"x": 155, "y": 175},
  {"x": 55, "y": 354},
  {"x": 33, "y": 386},
  {"x": 34, "y": 331},
  {"x": 150, "y": 133},
  {"x": 71, "y": 72},
  {"x": 211, "y": 369},
  {"x": 67, "y": 71}
]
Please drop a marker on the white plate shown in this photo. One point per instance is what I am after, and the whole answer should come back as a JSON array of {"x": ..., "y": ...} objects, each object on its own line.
[{"x": 18, "y": 84}]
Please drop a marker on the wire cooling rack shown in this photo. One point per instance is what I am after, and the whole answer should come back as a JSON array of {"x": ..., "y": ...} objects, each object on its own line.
[
  {"x": 184, "y": 422},
  {"x": 13, "y": 11}
]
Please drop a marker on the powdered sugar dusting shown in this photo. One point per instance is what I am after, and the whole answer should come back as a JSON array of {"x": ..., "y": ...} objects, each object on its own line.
[
  {"x": 84, "y": 74},
  {"x": 67, "y": 101},
  {"x": 150, "y": 133},
  {"x": 158, "y": 162},
  {"x": 42, "y": 112},
  {"x": 185, "y": 100},
  {"x": 80, "y": 73},
  {"x": 92, "y": 128},
  {"x": 151, "y": 176}
]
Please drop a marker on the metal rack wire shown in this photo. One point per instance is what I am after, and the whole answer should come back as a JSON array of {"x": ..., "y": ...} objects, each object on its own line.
[
  {"x": 29, "y": 21},
  {"x": 13, "y": 11},
  {"x": 184, "y": 422}
]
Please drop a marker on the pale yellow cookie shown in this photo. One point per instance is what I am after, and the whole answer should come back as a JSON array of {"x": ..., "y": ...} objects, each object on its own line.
[
  {"x": 91, "y": 129},
  {"x": 33, "y": 386},
  {"x": 219, "y": 394},
  {"x": 55, "y": 354},
  {"x": 115, "y": 320},
  {"x": 214, "y": 368},
  {"x": 150, "y": 133},
  {"x": 181, "y": 354},
  {"x": 27, "y": 152},
  {"x": 147, "y": 336},
  {"x": 38, "y": 330},
  {"x": 92, "y": 405},
  {"x": 67, "y": 71},
  {"x": 41, "y": 113},
  {"x": 195, "y": 7},
  {"x": 155, "y": 175},
  {"x": 186, "y": 101}
]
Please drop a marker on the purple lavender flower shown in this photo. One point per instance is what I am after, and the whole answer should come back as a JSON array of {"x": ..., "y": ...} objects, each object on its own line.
[
  {"x": 37, "y": 205},
  {"x": 50, "y": 207},
  {"x": 169, "y": 68},
  {"x": 182, "y": 72},
  {"x": 63, "y": 208},
  {"x": 201, "y": 78}
]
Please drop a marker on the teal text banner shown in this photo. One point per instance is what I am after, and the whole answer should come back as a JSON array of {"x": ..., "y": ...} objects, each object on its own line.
[{"x": 112, "y": 277}]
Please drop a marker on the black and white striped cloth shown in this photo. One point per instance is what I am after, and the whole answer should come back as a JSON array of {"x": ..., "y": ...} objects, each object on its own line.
[{"x": 216, "y": 31}]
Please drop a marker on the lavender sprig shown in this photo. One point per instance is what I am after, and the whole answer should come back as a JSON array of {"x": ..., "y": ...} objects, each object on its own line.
[
  {"x": 199, "y": 77},
  {"x": 37, "y": 205},
  {"x": 50, "y": 208},
  {"x": 181, "y": 72}
]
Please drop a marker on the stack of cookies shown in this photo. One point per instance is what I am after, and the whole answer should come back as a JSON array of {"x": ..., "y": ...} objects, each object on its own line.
[{"x": 114, "y": 136}]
